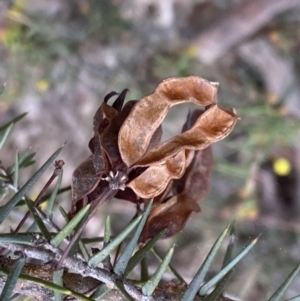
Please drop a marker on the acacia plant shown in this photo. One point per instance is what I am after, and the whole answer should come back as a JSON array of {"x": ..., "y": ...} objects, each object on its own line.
[{"x": 128, "y": 161}]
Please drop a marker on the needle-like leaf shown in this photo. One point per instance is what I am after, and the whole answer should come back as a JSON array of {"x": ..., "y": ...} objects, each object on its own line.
[
  {"x": 83, "y": 250},
  {"x": 16, "y": 173},
  {"x": 24, "y": 160},
  {"x": 17, "y": 238},
  {"x": 63, "y": 213},
  {"x": 67, "y": 230},
  {"x": 57, "y": 279},
  {"x": 51, "y": 286},
  {"x": 284, "y": 286},
  {"x": 5, "y": 135},
  {"x": 12, "y": 279},
  {"x": 297, "y": 298},
  {"x": 170, "y": 267},
  {"x": 38, "y": 220},
  {"x": 206, "y": 287},
  {"x": 50, "y": 203},
  {"x": 5, "y": 210},
  {"x": 120, "y": 287},
  {"x": 124, "y": 258},
  {"x": 2, "y": 88},
  {"x": 195, "y": 284},
  {"x": 214, "y": 295},
  {"x": 15, "y": 120},
  {"x": 141, "y": 253},
  {"x": 100, "y": 292},
  {"x": 97, "y": 258},
  {"x": 149, "y": 287},
  {"x": 229, "y": 250},
  {"x": 107, "y": 231},
  {"x": 14, "y": 296}
]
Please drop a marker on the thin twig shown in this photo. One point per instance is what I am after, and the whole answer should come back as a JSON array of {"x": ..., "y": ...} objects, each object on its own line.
[
  {"x": 57, "y": 170},
  {"x": 106, "y": 194}
]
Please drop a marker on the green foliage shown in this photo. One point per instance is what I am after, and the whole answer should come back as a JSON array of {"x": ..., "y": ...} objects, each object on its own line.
[
  {"x": 119, "y": 275},
  {"x": 12, "y": 279},
  {"x": 277, "y": 296},
  {"x": 124, "y": 258},
  {"x": 149, "y": 287},
  {"x": 70, "y": 226},
  {"x": 106, "y": 251},
  {"x": 5, "y": 209}
]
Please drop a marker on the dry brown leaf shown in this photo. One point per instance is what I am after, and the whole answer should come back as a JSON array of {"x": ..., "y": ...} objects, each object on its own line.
[
  {"x": 195, "y": 181},
  {"x": 106, "y": 124},
  {"x": 137, "y": 130},
  {"x": 84, "y": 179},
  {"x": 198, "y": 174},
  {"x": 109, "y": 137},
  {"x": 171, "y": 215}
]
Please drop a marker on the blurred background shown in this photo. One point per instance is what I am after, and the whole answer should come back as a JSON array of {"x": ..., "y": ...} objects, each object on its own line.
[{"x": 59, "y": 58}]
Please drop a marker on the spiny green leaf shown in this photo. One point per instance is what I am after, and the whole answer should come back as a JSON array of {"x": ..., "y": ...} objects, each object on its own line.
[
  {"x": 38, "y": 220},
  {"x": 124, "y": 258},
  {"x": 206, "y": 287},
  {"x": 229, "y": 250},
  {"x": 195, "y": 284},
  {"x": 297, "y": 298},
  {"x": 57, "y": 279},
  {"x": 107, "y": 231},
  {"x": 32, "y": 228},
  {"x": 97, "y": 258},
  {"x": 50, "y": 203},
  {"x": 120, "y": 287},
  {"x": 60, "y": 191},
  {"x": 77, "y": 243},
  {"x": 100, "y": 292},
  {"x": 170, "y": 267},
  {"x": 3, "y": 177},
  {"x": 152, "y": 283},
  {"x": 16, "y": 173},
  {"x": 214, "y": 295},
  {"x": 47, "y": 196},
  {"x": 12, "y": 122},
  {"x": 24, "y": 160},
  {"x": 63, "y": 213},
  {"x": 284, "y": 286},
  {"x": 2, "y": 88},
  {"x": 5, "y": 135},
  {"x": 69, "y": 227},
  {"x": 144, "y": 269},
  {"x": 51, "y": 286},
  {"x": 12, "y": 279},
  {"x": 17, "y": 238},
  {"x": 141, "y": 253},
  {"x": 83, "y": 250},
  {"x": 4, "y": 191},
  {"x": 5, "y": 210},
  {"x": 14, "y": 296}
]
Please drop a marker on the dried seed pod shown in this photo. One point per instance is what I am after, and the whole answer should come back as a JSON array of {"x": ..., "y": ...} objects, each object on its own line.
[
  {"x": 128, "y": 157},
  {"x": 137, "y": 131}
]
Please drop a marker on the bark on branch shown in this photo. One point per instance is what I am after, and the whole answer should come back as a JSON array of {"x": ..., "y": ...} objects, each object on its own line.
[{"x": 84, "y": 280}]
